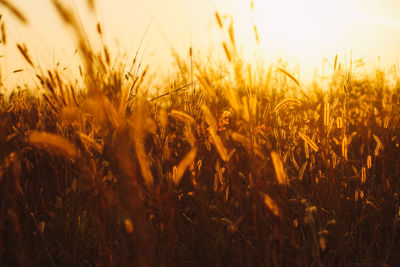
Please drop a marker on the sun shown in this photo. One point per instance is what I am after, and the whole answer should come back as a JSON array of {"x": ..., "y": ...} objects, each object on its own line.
[{"x": 301, "y": 27}]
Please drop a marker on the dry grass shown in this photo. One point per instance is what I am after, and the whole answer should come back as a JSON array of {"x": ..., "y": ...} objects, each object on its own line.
[{"x": 227, "y": 174}]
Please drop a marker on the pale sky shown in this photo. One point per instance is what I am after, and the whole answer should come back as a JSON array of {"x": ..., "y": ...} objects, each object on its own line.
[{"x": 307, "y": 31}]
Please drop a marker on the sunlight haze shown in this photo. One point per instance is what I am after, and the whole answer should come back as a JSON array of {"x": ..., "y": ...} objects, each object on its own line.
[{"x": 305, "y": 32}]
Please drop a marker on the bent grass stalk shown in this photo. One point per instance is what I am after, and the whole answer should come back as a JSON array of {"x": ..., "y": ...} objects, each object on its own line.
[{"x": 164, "y": 170}]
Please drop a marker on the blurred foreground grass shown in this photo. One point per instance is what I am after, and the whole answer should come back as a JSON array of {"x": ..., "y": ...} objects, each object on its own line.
[{"x": 235, "y": 165}]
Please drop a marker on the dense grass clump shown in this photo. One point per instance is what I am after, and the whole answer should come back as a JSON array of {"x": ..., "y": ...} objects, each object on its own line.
[{"x": 233, "y": 166}]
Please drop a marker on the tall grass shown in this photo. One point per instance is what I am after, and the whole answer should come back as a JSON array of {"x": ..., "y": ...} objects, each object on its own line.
[{"x": 246, "y": 170}]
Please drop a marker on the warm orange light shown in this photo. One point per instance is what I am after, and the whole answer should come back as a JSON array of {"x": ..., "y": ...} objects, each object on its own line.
[{"x": 301, "y": 27}]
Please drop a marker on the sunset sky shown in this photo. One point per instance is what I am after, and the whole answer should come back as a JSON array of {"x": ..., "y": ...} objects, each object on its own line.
[{"x": 302, "y": 31}]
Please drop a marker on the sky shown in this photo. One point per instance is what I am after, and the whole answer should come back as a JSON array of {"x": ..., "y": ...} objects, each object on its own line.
[{"x": 305, "y": 32}]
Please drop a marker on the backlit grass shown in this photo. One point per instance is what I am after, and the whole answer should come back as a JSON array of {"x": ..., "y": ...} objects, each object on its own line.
[{"x": 232, "y": 165}]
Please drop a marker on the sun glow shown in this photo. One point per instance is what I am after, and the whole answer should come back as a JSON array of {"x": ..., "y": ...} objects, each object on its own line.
[
  {"x": 303, "y": 32},
  {"x": 300, "y": 32},
  {"x": 301, "y": 28}
]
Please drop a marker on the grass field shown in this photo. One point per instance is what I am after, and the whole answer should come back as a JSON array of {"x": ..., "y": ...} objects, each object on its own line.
[{"x": 231, "y": 164}]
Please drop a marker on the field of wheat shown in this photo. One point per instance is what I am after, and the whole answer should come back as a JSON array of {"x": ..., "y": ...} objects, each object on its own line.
[{"x": 228, "y": 164}]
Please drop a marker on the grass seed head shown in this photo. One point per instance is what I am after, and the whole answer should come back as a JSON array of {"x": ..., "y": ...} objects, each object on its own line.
[
  {"x": 53, "y": 143},
  {"x": 279, "y": 170},
  {"x": 363, "y": 175},
  {"x": 369, "y": 162},
  {"x": 219, "y": 20},
  {"x": 271, "y": 205},
  {"x": 128, "y": 226}
]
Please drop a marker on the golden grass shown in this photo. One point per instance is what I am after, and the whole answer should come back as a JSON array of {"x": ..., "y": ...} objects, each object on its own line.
[
  {"x": 288, "y": 101},
  {"x": 24, "y": 52},
  {"x": 53, "y": 143},
  {"x": 213, "y": 133},
  {"x": 219, "y": 20},
  {"x": 271, "y": 204},
  {"x": 182, "y": 116},
  {"x": 245, "y": 170},
  {"x": 279, "y": 170},
  {"x": 310, "y": 142},
  {"x": 14, "y": 10},
  {"x": 179, "y": 171}
]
